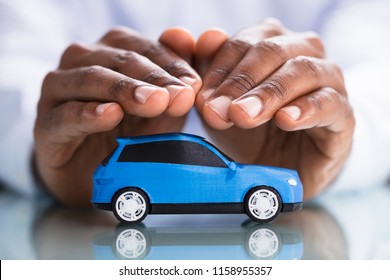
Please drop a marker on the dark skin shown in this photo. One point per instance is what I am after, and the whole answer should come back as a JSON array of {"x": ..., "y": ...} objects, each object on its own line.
[
  {"x": 276, "y": 101},
  {"x": 114, "y": 88},
  {"x": 266, "y": 96}
]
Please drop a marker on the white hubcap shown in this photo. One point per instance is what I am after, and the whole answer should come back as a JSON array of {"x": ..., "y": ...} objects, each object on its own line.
[
  {"x": 130, "y": 206},
  {"x": 263, "y": 243},
  {"x": 131, "y": 244},
  {"x": 263, "y": 204}
]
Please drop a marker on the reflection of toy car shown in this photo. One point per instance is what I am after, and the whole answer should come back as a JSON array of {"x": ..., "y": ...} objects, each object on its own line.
[
  {"x": 262, "y": 241},
  {"x": 182, "y": 173}
]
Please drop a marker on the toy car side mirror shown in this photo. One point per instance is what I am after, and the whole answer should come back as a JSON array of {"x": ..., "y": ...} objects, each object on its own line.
[{"x": 232, "y": 165}]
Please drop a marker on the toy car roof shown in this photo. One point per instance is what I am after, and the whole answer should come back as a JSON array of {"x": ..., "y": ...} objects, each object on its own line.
[{"x": 160, "y": 137}]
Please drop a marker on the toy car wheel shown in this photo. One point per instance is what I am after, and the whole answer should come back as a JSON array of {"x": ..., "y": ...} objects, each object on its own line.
[
  {"x": 131, "y": 244},
  {"x": 263, "y": 204},
  {"x": 130, "y": 205},
  {"x": 263, "y": 243}
]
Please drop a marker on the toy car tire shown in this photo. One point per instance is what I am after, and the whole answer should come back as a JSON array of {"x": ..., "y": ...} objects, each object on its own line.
[
  {"x": 130, "y": 205},
  {"x": 263, "y": 242},
  {"x": 263, "y": 204},
  {"x": 131, "y": 243}
]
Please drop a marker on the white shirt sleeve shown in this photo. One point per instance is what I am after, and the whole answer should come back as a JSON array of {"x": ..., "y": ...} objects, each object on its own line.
[{"x": 30, "y": 47}]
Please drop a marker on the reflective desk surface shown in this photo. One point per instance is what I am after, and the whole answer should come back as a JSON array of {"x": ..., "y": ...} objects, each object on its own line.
[{"x": 343, "y": 227}]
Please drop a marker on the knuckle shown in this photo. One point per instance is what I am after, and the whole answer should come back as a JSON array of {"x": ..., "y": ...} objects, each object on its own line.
[
  {"x": 242, "y": 81},
  {"x": 92, "y": 70},
  {"x": 275, "y": 87},
  {"x": 218, "y": 74},
  {"x": 344, "y": 108},
  {"x": 153, "y": 51},
  {"x": 121, "y": 37},
  {"x": 80, "y": 111},
  {"x": 272, "y": 27},
  {"x": 332, "y": 95},
  {"x": 316, "y": 101},
  {"x": 273, "y": 22},
  {"x": 118, "y": 86},
  {"x": 271, "y": 49},
  {"x": 177, "y": 67},
  {"x": 237, "y": 46},
  {"x": 327, "y": 97},
  {"x": 49, "y": 77},
  {"x": 116, "y": 33},
  {"x": 339, "y": 101},
  {"x": 124, "y": 59},
  {"x": 87, "y": 74},
  {"x": 47, "y": 83},
  {"x": 315, "y": 41},
  {"x": 71, "y": 52},
  {"x": 308, "y": 66},
  {"x": 313, "y": 37},
  {"x": 328, "y": 93},
  {"x": 155, "y": 77}
]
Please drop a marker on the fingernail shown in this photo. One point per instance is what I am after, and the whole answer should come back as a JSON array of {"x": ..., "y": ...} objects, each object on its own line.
[
  {"x": 175, "y": 90},
  {"x": 142, "y": 93},
  {"x": 293, "y": 111},
  {"x": 101, "y": 108},
  {"x": 220, "y": 105},
  {"x": 251, "y": 105},
  {"x": 187, "y": 80},
  {"x": 207, "y": 93}
]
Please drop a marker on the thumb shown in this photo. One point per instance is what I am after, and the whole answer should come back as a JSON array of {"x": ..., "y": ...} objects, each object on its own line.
[{"x": 180, "y": 41}]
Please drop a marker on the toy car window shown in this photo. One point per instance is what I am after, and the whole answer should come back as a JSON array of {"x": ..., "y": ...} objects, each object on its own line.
[
  {"x": 222, "y": 153},
  {"x": 178, "y": 152}
]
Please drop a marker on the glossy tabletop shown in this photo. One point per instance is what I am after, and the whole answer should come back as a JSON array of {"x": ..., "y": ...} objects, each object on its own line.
[{"x": 353, "y": 226}]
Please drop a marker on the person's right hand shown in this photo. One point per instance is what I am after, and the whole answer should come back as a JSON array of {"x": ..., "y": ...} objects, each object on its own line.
[{"x": 124, "y": 85}]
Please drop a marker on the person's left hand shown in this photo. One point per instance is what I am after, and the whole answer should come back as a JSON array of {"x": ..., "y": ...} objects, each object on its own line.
[{"x": 264, "y": 73}]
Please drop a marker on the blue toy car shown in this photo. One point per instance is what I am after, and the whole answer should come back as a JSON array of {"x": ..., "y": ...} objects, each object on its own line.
[{"x": 185, "y": 174}]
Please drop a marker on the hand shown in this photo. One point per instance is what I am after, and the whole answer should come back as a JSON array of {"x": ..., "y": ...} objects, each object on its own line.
[
  {"x": 122, "y": 86},
  {"x": 270, "y": 96}
]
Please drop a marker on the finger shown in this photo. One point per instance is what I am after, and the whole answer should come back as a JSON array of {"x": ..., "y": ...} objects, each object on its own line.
[
  {"x": 67, "y": 125},
  {"x": 208, "y": 44},
  {"x": 261, "y": 61},
  {"x": 232, "y": 51},
  {"x": 264, "y": 58},
  {"x": 180, "y": 41},
  {"x": 229, "y": 55},
  {"x": 324, "y": 107},
  {"x": 296, "y": 78},
  {"x": 269, "y": 27},
  {"x": 73, "y": 119},
  {"x": 95, "y": 83},
  {"x": 327, "y": 118},
  {"x": 127, "y": 39},
  {"x": 135, "y": 66}
]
